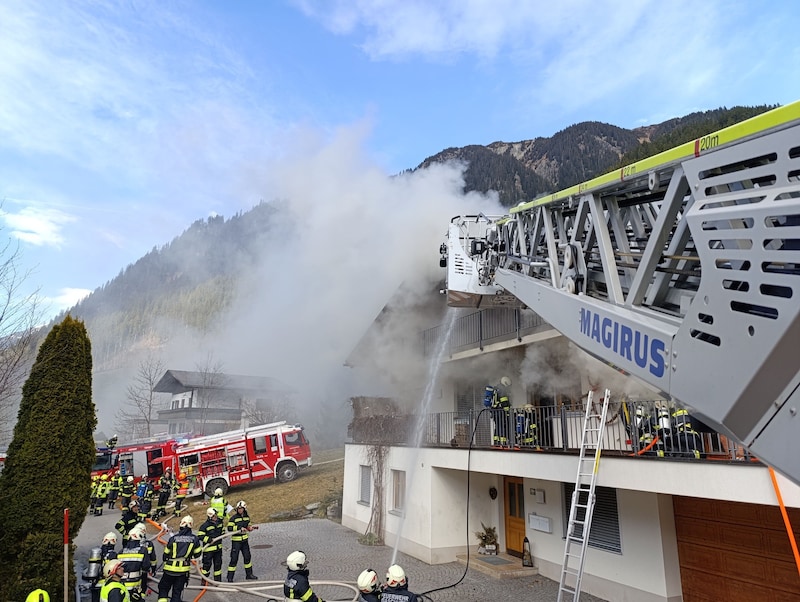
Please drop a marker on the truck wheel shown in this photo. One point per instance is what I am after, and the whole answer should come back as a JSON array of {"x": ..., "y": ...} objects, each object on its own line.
[
  {"x": 214, "y": 484},
  {"x": 286, "y": 472}
]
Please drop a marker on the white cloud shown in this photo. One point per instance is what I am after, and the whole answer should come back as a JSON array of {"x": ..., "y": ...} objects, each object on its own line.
[
  {"x": 67, "y": 298},
  {"x": 38, "y": 225}
]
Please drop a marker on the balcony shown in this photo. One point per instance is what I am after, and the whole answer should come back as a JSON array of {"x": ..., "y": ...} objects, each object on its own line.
[
  {"x": 635, "y": 429},
  {"x": 480, "y": 328}
]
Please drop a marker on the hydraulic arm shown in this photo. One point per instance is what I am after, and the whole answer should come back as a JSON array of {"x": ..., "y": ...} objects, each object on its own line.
[{"x": 682, "y": 270}]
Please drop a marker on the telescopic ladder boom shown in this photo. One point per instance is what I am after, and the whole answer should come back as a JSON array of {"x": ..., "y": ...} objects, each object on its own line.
[{"x": 682, "y": 270}]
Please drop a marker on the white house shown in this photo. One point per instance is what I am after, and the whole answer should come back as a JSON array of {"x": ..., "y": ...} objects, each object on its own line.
[{"x": 665, "y": 528}]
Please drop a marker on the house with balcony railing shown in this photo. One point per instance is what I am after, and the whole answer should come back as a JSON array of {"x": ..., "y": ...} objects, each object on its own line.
[{"x": 680, "y": 514}]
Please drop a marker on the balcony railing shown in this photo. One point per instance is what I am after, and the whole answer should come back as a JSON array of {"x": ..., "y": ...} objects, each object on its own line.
[
  {"x": 483, "y": 327},
  {"x": 636, "y": 429}
]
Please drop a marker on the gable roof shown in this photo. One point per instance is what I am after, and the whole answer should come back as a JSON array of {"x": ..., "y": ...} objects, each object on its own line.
[{"x": 180, "y": 381}]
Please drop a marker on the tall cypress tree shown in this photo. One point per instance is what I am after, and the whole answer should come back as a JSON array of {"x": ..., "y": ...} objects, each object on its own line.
[{"x": 48, "y": 465}]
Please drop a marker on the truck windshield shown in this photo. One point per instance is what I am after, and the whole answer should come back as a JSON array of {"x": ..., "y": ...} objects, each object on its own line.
[{"x": 104, "y": 460}]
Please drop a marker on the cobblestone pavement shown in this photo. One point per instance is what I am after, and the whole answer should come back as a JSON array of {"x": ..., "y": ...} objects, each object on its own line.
[{"x": 334, "y": 554}]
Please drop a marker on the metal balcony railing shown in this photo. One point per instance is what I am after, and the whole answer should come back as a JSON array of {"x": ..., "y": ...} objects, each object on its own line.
[
  {"x": 636, "y": 429},
  {"x": 483, "y": 327}
]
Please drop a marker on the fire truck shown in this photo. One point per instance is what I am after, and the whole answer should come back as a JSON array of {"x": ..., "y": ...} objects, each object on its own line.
[
  {"x": 271, "y": 451},
  {"x": 150, "y": 458},
  {"x": 682, "y": 270}
]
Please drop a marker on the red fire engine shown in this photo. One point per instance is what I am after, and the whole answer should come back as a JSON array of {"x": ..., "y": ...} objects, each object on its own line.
[
  {"x": 151, "y": 458},
  {"x": 277, "y": 450}
]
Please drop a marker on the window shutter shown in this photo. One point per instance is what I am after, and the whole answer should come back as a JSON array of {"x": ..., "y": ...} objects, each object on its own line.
[{"x": 605, "y": 520}]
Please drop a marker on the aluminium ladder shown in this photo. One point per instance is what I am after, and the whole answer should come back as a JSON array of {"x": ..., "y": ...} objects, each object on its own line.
[{"x": 583, "y": 500}]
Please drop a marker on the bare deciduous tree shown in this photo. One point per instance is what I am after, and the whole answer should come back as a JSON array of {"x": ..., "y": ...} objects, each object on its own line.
[
  {"x": 136, "y": 419},
  {"x": 20, "y": 317}
]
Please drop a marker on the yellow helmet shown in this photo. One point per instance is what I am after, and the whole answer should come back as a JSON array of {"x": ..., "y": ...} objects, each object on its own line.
[
  {"x": 104, "y": 477},
  {"x": 38, "y": 595}
]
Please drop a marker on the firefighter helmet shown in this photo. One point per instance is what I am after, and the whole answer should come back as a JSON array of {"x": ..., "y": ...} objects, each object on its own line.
[
  {"x": 187, "y": 521},
  {"x": 211, "y": 512},
  {"x": 134, "y": 503},
  {"x": 130, "y": 479},
  {"x": 104, "y": 477},
  {"x": 94, "y": 477},
  {"x": 368, "y": 581},
  {"x": 218, "y": 492},
  {"x": 38, "y": 595},
  {"x": 297, "y": 561},
  {"x": 182, "y": 476},
  {"x": 110, "y": 537},
  {"x": 136, "y": 534},
  {"x": 111, "y": 567},
  {"x": 396, "y": 576},
  {"x": 505, "y": 381},
  {"x": 241, "y": 504}
]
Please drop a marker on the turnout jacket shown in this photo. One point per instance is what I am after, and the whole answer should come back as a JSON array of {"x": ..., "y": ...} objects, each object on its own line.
[
  {"x": 208, "y": 532},
  {"x": 398, "y": 594},
  {"x": 238, "y": 522},
  {"x": 180, "y": 550},
  {"x": 297, "y": 587}
]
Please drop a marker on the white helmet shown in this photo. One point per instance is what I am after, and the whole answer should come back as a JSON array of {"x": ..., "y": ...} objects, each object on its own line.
[
  {"x": 241, "y": 504},
  {"x": 368, "y": 581},
  {"x": 211, "y": 512},
  {"x": 187, "y": 521},
  {"x": 136, "y": 534},
  {"x": 110, "y": 537},
  {"x": 505, "y": 381},
  {"x": 130, "y": 479},
  {"x": 218, "y": 491},
  {"x": 134, "y": 503},
  {"x": 141, "y": 527},
  {"x": 111, "y": 567},
  {"x": 396, "y": 576},
  {"x": 296, "y": 561}
]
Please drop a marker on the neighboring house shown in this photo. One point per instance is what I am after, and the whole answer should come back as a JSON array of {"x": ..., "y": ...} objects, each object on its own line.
[
  {"x": 665, "y": 528},
  {"x": 205, "y": 403}
]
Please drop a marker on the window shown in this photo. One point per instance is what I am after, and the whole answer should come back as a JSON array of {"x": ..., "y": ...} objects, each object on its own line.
[
  {"x": 260, "y": 444},
  {"x": 365, "y": 488},
  {"x": 398, "y": 491},
  {"x": 293, "y": 438},
  {"x": 605, "y": 520}
]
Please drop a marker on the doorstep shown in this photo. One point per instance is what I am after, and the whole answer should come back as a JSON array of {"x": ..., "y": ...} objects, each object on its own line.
[{"x": 499, "y": 566}]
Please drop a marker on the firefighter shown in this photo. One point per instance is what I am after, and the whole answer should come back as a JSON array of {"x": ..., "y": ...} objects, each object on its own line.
[
  {"x": 178, "y": 554},
  {"x": 113, "y": 589},
  {"x": 645, "y": 430},
  {"x": 145, "y": 493},
  {"x": 496, "y": 398},
  {"x": 369, "y": 586},
  {"x": 526, "y": 429},
  {"x": 219, "y": 503},
  {"x": 128, "y": 520},
  {"x": 210, "y": 533},
  {"x": 126, "y": 492},
  {"x": 181, "y": 491},
  {"x": 164, "y": 491},
  {"x": 93, "y": 494},
  {"x": 239, "y": 525},
  {"x": 102, "y": 495},
  {"x": 151, "y": 549},
  {"x": 136, "y": 558},
  {"x": 108, "y": 550},
  {"x": 685, "y": 440},
  {"x": 113, "y": 491},
  {"x": 296, "y": 586},
  {"x": 396, "y": 589}
]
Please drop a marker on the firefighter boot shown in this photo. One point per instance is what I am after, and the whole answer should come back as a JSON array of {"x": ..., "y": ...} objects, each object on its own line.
[
  {"x": 250, "y": 575},
  {"x": 229, "y": 577}
]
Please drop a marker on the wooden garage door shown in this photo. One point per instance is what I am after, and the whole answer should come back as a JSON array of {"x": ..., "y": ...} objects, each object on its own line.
[{"x": 735, "y": 552}]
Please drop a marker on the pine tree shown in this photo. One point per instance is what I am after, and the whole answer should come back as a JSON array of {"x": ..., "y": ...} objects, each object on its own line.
[{"x": 48, "y": 465}]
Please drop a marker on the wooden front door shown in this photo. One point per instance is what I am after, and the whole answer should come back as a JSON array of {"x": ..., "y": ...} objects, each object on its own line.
[{"x": 514, "y": 515}]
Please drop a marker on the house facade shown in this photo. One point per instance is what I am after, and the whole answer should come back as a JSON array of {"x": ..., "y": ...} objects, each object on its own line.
[
  {"x": 208, "y": 403},
  {"x": 698, "y": 521}
]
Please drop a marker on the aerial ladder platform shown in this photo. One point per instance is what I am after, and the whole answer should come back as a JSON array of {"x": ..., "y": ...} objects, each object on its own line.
[{"x": 682, "y": 270}]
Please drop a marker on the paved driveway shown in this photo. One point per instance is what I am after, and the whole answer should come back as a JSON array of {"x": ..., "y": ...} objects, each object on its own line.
[{"x": 336, "y": 556}]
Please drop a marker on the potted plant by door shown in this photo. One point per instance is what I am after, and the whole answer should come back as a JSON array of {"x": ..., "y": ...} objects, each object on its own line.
[{"x": 488, "y": 540}]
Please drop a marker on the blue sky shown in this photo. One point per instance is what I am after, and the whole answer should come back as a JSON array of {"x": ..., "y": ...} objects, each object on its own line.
[{"x": 121, "y": 123}]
